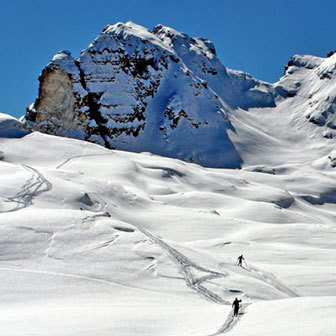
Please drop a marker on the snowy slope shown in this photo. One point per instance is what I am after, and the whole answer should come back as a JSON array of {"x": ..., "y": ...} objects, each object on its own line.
[
  {"x": 97, "y": 241},
  {"x": 10, "y": 127}
]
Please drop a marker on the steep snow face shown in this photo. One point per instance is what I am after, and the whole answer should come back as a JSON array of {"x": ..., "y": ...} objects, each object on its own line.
[
  {"x": 159, "y": 91},
  {"x": 311, "y": 81},
  {"x": 236, "y": 88}
]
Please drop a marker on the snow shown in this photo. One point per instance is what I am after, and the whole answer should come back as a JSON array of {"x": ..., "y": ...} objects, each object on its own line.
[
  {"x": 97, "y": 241},
  {"x": 64, "y": 60},
  {"x": 129, "y": 30},
  {"x": 11, "y": 127},
  {"x": 307, "y": 316}
]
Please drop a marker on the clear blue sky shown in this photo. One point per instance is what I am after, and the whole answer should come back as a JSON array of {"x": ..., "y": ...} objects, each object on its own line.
[{"x": 256, "y": 36}]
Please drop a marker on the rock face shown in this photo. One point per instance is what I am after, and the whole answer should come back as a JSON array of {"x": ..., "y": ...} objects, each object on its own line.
[{"x": 159, "y": 91}]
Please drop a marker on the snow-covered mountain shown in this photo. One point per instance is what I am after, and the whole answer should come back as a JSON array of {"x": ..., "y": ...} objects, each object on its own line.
[
  {"x": 160, "y": 91},
  {"x": 167, "y": 93}
]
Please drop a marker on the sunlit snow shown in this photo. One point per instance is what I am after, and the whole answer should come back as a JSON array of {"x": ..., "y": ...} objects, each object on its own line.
[{"x": 102, "y": 242}]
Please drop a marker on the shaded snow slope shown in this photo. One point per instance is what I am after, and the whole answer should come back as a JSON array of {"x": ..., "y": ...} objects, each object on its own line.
[
  {"x": 97, "y": 241},
  {"x": 10, "y": 127},
  {"x": 300, "y": 128}
]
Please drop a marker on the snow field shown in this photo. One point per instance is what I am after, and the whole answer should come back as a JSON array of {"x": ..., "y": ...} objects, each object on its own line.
[{"x": 147, "y": 245}]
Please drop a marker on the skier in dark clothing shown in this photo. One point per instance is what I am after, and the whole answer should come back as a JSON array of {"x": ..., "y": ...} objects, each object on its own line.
[
  {"x": 235, "y": 306},
  {"x": 240, "y": 260}
]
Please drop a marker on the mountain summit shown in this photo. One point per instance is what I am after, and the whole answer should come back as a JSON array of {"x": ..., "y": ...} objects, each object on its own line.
[
  {"x": 165, "y": 92},
  {"x": 139, "y": 90}
]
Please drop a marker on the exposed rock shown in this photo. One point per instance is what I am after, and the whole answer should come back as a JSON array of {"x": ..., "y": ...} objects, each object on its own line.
[{"x": 56, "y": 99}]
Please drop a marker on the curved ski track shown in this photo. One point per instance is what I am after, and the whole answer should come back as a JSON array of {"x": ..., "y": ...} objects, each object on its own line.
[
  {"x": 230, "y": 321},
  {"x": 34, "y": 186},
  {"x": 273, "y": 281},
  {"x": 186, "y": 266},
  {"x": 79, "y": 156}
]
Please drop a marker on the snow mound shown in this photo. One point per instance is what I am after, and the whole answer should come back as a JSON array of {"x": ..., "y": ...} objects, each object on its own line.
[{"x": 11, "y": 127}]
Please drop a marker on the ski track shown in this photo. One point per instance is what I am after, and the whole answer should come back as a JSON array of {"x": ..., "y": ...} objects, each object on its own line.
[
  {"x": 34, "y": 186},
  {"x": 80, "y": 156},
  {"x": 273, "y": 281},
  {"x": 231, "y": 321},
  {"x": 186, "y": 266}
]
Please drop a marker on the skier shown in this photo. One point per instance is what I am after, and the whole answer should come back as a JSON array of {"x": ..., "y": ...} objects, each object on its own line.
[
  {"x": 235, "y": 305},
  {"x": 240, "y": 260}
]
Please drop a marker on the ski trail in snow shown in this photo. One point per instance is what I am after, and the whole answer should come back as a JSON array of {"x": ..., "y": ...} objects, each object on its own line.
[
  {"x": 34, "y": 186},
  {"x": 272, "y": 280},
  {"x": 186, "y": 267},
  {"x": 230, "y": 321},
  {"x": 78, "y": 157},
  {"x": 268, "y": 278}
]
